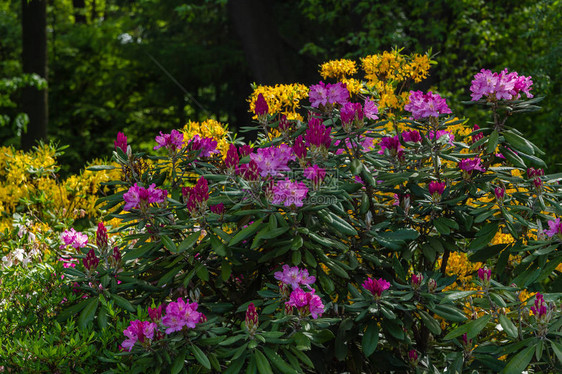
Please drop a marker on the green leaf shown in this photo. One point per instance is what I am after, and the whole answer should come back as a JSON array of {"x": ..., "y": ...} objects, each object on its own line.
[
  {"x": 441, "y": 227},
  {"x": 170, "y": 275},
  {"x": 518, "y": 142},
  {"x": 430, "y": 322},
  {"x": 341, "y": 225},
  {"x": 370, "y": 339},
  {"x": 492, "y": 142},
  {"x": 302, "y": 341},
  {"x": 262, "y": 363},
  {"x": 520, "y": 362},
  {"x": 201, "y": 357},
  {"x": 245, "y": 232},
  {"x": 123, "y": 303},
  {"x": 88, "y": 313},
  {"x": 471, "y": 329},
  {"x": 188, "y": 242},
  {"x": 202, "y": 273},
  {"x": 178, "y": 364},
  {"x": 449, "y": 312},
  {"x": 508, "y": 326},
  {"x": 168, "y": 243},
  {"x": 484, "y": 236},
  {"x": 278, "y": 362},
  {"x": 557, "y": 348}
]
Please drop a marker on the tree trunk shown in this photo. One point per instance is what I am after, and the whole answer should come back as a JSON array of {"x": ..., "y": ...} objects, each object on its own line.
[
  {"x": 265, "y": 51},
  {"x": 34, "y": 60},
  {"x": 79, "y": 11}
]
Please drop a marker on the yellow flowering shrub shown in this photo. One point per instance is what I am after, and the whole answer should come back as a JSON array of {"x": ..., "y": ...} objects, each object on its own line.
[
  {"x": 208, "y": 129},
  {"x": 281, "y": 98},
  {"x": 338, "y": 69}
]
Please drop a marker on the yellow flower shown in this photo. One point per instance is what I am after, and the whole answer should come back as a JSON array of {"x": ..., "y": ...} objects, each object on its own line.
[
  {"x": 208, "y": 129},
  {"x": 281, "y": 99},
  {"x": 338, "y": 69}
]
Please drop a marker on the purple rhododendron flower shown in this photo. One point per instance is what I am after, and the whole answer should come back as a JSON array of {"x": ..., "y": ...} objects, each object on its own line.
[
  {"x": 315, "y": 173},
  {"x": 470, "y": 164},
  {"x": 555, "y": 228},
  {"x": 138, "y": 331},
  {"x": 140, "y": 197},
  {"x": 440, "y": 134},
  {"x": 411, "y": 136},
  {"x": 351, "y": 112},
  {"x": 172, "y": 141},
  {"x": 206, "y": 146},
  {"x": 289, "y": 193},
  {"x": 180, "y": 314},
  {"x": 370, "y": 109},
  {"x": 273, "y": 160},
  {"x": 436, "y": 188},
  {"x": 426, "y": 105},
  {"x": 392, "y": 143},
  {"x": 306, "y": 303},
  {"x": 261, "y": 107},
  {"x": 294, "y": 277},
  {"x": 498, "y": 86}
]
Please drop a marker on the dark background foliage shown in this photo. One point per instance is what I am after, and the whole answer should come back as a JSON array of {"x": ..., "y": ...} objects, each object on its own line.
[{"x": 141, "y": 66}]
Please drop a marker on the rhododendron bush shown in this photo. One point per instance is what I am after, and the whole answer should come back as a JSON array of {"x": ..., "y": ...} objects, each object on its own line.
[{"x": 367, "y": 229}]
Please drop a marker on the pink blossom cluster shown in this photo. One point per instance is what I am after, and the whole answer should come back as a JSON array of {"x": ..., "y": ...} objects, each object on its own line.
[
  {"x": 172, "y": 141},
  {"x": 535, "y": 175},
  {"x": 498, "y": 86},
  {"x": 138, "y": 331},
  {"x": 196, "y": 197},
  {"x": 217, "y": 208},
  {"x": 351, "y": 112},
  {"x": 299, "y": 148},
  {"x": 74, "y": 238},
  {"x": 289, "y": 193},
  {"x": 540, "y": 309},
  {"x": 180, "y": 314},
  {"x": 121, "y": 142},
  {"x": 554, "y": 228},
  {"x": 436, "y": 188},
  {"x": 249, "y": 171},
  {"x": 273, "y": 161},
  {"x": 500, "y": 193},
  {"x": 206, "y": 146},
  {"x": 294, "y": 277},
  {"x": 323, "y": 95},
  {"x": 140, "y": 197},
  {"x": 316, "y": 174},
  {"x": 426, "y": 105},
  {"x": 307, "y": 303},
  {"x": 376, "y": 286},
  {"x": 365, "y": 142},
  {"x": 477, "y": 137},
  {"x": 317, "y": 134}
]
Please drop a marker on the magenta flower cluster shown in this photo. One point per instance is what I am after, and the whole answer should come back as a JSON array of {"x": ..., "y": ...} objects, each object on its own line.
[
  {"x": 172, "y": 141},
  {"x": 426, "y": 105},
  {"x": 74, "y": 238},
  {"x": 470, "y": 164},
  {"x": 317, "y": 134},
  {"x": 376, "y": 286},
  {"x": 392, "y": 143},
  {"x": 441, "y": 133},
  {"x": 121, "y": 142},
  {"x": 196, "y": 197},
  {"x": 323, "y": 94},
  {"x": 181, "y": 314},
  {"x": 436, "y": 188},
  {"x": 289, "y": 193},
  {"x": 140, "y": 197},
  {"x": 498, "y": 86},
  {"x": 138, "y": 331},
  {"x": 412, "y": 136},
  {"x": 307, "y": 303}
]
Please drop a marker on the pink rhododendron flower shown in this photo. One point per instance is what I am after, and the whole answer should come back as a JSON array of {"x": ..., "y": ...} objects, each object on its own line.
[
  {"x": 498, "y": 86},
  {"x": 436, "y": 188},
  {"x": 140, "y": 197},
  {"x": 426, "y": 105},
  {"x": 392, "y": 143},
  {"x": 180, "y": 314},
  {"x": 323, "y": 94},
  {"x": 172, "y": 141},
  {"x": 294, "y": 277},
  {"x": 351, "y": 112},
  {"x": 138, "y": 331},
  {"x": 74, "y": 238},
  {"x": 411, "y": 136},
  {"x": 500, "y": 193},
  {"x": 155, "y": 314},
  {"x": 376, "y": 286},
  {"x": 306, "y": 303},
  {"x": 317, "y": 134},
  {"x": 121, "y": 142},
  {"x": 540, "y": 309},
  {"x": 289, "y": 193},
  {"x": 315, "y": 173}
]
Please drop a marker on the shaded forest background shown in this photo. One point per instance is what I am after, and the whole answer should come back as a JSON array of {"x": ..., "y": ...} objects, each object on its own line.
[{"x": 143, "y": 66}]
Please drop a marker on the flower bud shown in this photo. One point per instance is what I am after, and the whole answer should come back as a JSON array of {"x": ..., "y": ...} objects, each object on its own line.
[
  {"x": 485, "y": 276},
  {"x": 431, "y": 285},
  {"x": 252, "y": 319},
  {"x": 416, "y": 281},
  {"x": 90, "y": 261},
  {"x": 101, "y": 237}
]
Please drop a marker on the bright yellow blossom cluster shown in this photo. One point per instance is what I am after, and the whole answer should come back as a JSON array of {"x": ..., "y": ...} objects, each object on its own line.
[
  {"x": 30, "y": 178},
  {"x": 339, "y": 69},
  {"x": 282, "y": 99},
  {"x": 208, "y": 129}
]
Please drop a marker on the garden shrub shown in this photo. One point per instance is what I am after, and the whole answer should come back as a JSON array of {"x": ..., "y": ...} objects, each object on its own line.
[{"x": 368, "y": 229}]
